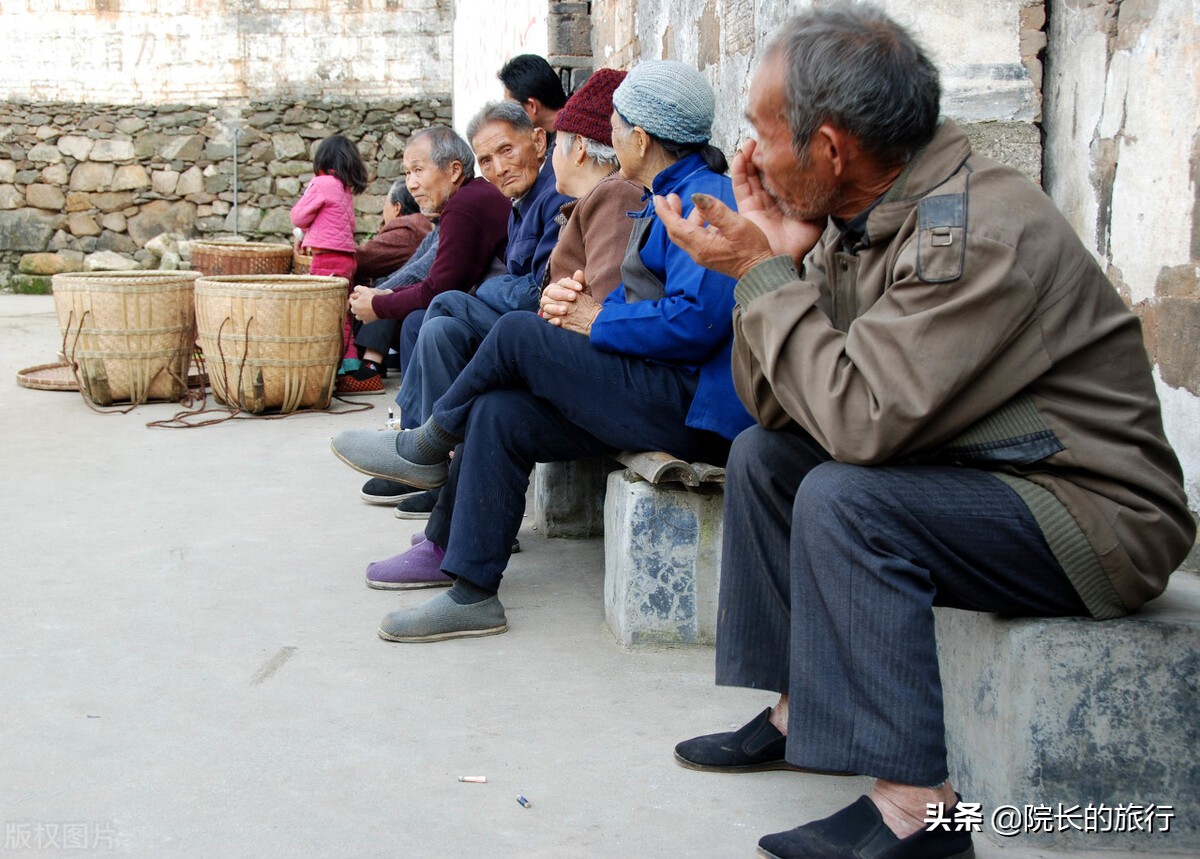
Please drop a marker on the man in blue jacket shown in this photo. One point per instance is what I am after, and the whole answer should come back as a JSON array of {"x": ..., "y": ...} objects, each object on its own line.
[{"x": 511, "y": 153}]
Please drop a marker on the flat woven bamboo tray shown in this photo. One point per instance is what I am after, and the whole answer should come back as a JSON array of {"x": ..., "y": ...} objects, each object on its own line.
[
  {"x": 129, "y": 336},
  {"x": 271, "y": 341},
  {"x": 48, "y": 377},
  {"x": 219, "y": 257},
  {"x": 59, "y": 376}
]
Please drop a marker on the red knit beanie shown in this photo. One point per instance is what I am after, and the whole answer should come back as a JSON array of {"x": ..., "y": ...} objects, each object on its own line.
[{"x": 589, "y": 110}]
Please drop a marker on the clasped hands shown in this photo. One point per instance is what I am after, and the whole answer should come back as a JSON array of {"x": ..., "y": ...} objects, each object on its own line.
[
  {"x": 360, "y": 303},
  {"x": 730, "y": 242},
  {"x": 566, "y": 304}
]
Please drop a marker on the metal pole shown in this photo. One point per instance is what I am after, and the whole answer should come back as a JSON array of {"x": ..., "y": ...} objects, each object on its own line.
[{"x": 237, "y": 132}]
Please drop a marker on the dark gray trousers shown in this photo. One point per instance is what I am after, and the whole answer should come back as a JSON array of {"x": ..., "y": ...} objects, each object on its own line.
[{"x": 829, "y": 577}]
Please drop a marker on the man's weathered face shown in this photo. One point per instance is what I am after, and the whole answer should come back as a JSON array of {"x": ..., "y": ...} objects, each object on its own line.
[
  {"x": 430, "y": 185},
  {"x": 509, "y": 158},
  {"x": 798, "y": 183}
]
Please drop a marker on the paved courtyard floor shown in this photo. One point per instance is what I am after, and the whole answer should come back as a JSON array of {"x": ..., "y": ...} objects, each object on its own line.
[{"x": 189, "y": 665}]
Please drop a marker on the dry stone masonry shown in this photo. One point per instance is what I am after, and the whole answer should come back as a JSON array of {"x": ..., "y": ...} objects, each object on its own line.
[{"x": 92, "y": 187}]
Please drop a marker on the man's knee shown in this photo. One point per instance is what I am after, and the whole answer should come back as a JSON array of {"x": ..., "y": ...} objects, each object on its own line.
[
  {"x": 438, "y": 333},
  {"x": 757, "y": 450},
  {"x": 449, "y": 303},
  {"x": 833, "y": 491}
]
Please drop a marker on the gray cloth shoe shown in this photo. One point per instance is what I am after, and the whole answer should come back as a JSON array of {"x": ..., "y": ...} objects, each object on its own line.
[
  {"x": 441, "y": 618},
  {"x": 373, "y": 452}
]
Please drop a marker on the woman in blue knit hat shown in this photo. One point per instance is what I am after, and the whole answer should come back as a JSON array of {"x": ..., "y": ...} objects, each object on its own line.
[{"x": 647, "y": 369}]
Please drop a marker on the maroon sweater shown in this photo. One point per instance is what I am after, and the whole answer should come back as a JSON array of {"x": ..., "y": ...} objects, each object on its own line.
[{"x": 473, "y": 231}]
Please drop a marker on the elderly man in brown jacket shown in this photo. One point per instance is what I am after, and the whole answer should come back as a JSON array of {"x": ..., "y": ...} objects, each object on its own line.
[{"x": 954, "y": 408}]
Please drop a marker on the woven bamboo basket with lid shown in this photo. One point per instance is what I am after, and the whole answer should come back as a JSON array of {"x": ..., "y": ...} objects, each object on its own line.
[
  {"x": 128, "y": 335},
  {"x": 220, "y": 256},
  {"x": 271, "y": 341}
]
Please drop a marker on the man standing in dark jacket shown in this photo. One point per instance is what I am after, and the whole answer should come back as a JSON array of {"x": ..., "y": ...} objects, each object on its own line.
[{"x": 953, "y": 405}]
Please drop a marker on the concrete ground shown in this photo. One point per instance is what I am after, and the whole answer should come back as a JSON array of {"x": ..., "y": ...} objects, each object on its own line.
[{"x": 190, "y": 665}]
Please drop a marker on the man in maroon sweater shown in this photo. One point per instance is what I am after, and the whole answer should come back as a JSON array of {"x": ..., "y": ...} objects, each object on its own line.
[{"x": 472, "y": 237}]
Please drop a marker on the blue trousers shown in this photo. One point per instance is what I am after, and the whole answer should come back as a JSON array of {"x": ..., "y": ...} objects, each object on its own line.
[
  {"x": 828, "y": 580},
  {"x": 536, "y": 393},
  {"x": 454, "y": 326}
]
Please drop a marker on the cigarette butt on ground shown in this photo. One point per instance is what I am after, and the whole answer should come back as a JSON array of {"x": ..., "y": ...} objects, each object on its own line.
[{"x": 474, "y": 779}]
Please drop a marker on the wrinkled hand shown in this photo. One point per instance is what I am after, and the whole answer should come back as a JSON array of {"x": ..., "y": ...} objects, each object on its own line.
[
  {"x": 786, "y": 234},
  {"x": 360, "y": 303},
  {"x": 568, "y": 305}
]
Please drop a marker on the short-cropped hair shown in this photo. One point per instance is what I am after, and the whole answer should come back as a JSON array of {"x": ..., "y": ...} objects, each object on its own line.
[
  {"x": 530, "y": 76},
  {"x": 855, "y": 68},
  {"x": 446, "y": 147},
  {"x": 499, "y": 111}
]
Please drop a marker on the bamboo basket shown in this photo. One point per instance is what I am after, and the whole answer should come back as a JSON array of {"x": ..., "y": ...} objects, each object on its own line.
[
  {"x": 220, "y": 257},
  {"x": 301, "y": 263},
  {"x": 271, "y": 341},
  {"x": 128, "y": 335}
]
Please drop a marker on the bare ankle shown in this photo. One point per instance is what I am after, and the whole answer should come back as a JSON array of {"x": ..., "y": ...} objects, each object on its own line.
[
  {"x": 905, "y": 807},
  {"x": 779, "y": 715}
]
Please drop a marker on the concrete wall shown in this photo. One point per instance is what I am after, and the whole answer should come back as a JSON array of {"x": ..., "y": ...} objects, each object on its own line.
[
  {"x": 1123, "y": 163},
  {"x": 142, "y": 51}
]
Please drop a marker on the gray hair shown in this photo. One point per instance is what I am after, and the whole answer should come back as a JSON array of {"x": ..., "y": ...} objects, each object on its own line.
[
  {"x": 446, "y": 147},
  {"x": 396, "y": 192},
  {"x": 597, "y": 151},
  {"x": 500, "y": 111},
  {"x": 855, "y": 68}
]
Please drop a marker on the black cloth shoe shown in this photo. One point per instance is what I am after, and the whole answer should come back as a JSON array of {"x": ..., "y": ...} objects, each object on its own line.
[
  {"x": 755, "y": 747},
  {"x": 417, "y": 505},
  {"x": 858, "y": 832},
  {"x": 377, "y": 490}
]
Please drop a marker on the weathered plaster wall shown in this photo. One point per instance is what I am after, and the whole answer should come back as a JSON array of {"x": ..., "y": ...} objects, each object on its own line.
[
  {"x": 141, "y": 51},
  {"x": 486, "y": 35},
  {"x": 1123, "y": 163},
  {"x": 991, "y": 80}
]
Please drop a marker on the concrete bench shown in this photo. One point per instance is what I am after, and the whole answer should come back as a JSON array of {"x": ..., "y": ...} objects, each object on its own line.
[
  {"x": 1074, "y": 712},
  {"x": 661, "y": 520}
]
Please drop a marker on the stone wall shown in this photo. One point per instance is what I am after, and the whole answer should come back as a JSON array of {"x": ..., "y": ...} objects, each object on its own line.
[{"x": 81, "y": 183}]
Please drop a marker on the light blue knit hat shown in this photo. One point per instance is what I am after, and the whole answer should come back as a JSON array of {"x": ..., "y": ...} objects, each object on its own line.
[{"x": 671, "y": 100}]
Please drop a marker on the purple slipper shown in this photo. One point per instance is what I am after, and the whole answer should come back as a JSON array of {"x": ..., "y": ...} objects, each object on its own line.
[
  {"x": 420, "y": 537},
  {"x": 419, "y": 567}
]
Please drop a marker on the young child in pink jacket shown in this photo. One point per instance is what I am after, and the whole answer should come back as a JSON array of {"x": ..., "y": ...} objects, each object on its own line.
[{"x": 326, "y": 214}]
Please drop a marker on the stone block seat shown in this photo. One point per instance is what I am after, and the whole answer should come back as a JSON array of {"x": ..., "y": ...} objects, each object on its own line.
[
  {"x": 1091, "y": 725},
  {"x": 662, "y": 549},
  {"x": 1070, "y": 712},
  {"x": 661, "y": 521}
]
